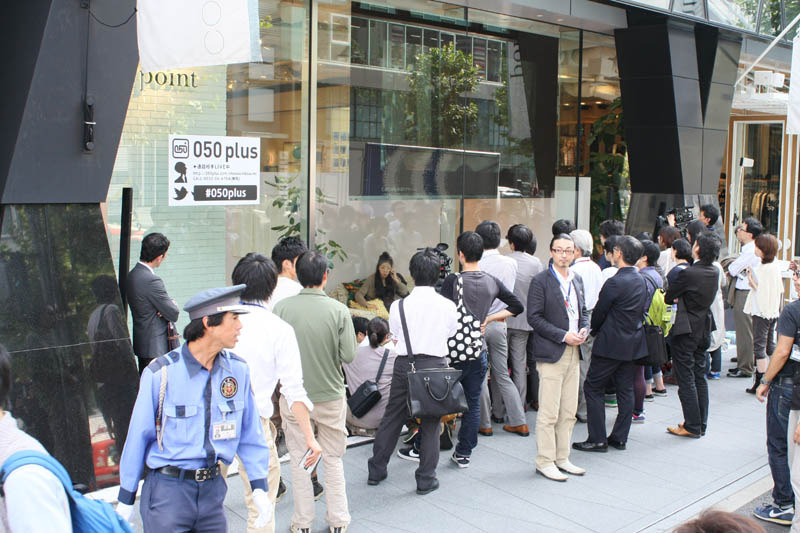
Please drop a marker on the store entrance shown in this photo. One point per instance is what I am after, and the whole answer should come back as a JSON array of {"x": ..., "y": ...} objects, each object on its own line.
[{"x": 755, "y": 175}]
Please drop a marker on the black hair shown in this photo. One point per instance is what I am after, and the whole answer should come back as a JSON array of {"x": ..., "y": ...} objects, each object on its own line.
[
  {"x": 531, "y": 249},
  {"x": 195, "y": 329},
  {"x": 644, "y": 236},
  {"x": 360, "y": 324},
  {"x": 377, "y": 330},
  {"x": 384, "y": 289},
  {"x": 287, "y": 248},
  {"x": 631, "y": 249},
  {"x": 711, "y": 212},
  {"x": 651, "y": 251},
  {"x": 683, "y": 249},
  {"x": 311, "y": 268},
  {"x": 105, "y": 289},
  {"x": 753, "y": 227},
  {"x": 694, "y": 229},
  {"x": 610, "y": 243},
  {"x": 153, "y": 245},
  {"x": 610, "y": 227},
  {"x": 520, "y": 236},
  {"x": 424, "y": 268},
  {"x": 708, "y": 247},
  {"x": 563, "y": 227},
  {"x": 490, "y": 233},
  {"x": 5, "y": 376},
  {"x": 561, "y": 236},
  {"x": 470, "y": 244},
  {"x": 260, "y": 275}
]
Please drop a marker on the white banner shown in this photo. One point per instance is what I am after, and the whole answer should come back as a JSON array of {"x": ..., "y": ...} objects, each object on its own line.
[
  {"x": 211, "y": 170},
  {"x": 194, "y": 33},
  {"x": 793, "y": 109}
]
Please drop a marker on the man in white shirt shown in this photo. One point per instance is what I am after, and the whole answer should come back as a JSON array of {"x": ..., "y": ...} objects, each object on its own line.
[
  {"x": 743, "y": 323},
  {"x": 431, "y": 320},
  {"x": 269, "y": 346},
  {"x": 35, "y": 500},
  {"x": 519, "y": 239},
  {"x": 593, "y": 280},
  {"x": 285, "y": 255},
  {"x": 505, "y": 394}
]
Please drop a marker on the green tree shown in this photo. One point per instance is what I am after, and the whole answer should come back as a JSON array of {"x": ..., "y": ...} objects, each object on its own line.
[{"x": 438, "y": 112}]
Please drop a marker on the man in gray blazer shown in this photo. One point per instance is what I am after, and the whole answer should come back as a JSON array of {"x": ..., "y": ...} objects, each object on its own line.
[{"x": 151, "y": 307}]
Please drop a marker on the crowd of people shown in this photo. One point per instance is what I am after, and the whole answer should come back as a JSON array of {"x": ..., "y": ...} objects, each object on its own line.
[{"x": 273, "y": 355}]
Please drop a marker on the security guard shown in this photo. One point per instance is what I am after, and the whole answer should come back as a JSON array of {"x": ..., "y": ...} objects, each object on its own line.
[{"x": 195, "y": 408}]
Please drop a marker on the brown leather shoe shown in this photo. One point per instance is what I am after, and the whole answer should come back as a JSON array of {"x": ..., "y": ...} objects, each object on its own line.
[
  {"x": 702, "y": 433},
  {"x": 522, "y": 430},
  {"x": 680, "y": 431},
  {"x": 486, "y": 432}
]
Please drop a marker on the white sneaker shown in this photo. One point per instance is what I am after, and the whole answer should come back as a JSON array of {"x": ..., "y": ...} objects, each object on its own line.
[
  {"x": 570, "y": 468},
  {"x": 551, "y": 472}
]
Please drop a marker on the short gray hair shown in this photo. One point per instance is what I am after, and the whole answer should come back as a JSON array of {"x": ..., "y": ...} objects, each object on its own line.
[{"x": 583, "y": 240}]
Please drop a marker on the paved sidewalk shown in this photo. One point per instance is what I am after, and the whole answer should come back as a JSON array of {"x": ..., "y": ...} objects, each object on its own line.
[{"x": 657, "y": 483}]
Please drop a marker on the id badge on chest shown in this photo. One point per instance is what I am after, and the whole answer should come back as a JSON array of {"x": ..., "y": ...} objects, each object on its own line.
[
  {"x": 224, "y": 430},
  {"x": 572, "y": 313}
]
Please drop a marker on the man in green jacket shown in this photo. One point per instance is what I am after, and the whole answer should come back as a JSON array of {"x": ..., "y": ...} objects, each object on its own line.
[{"x": 326, "y": 339}]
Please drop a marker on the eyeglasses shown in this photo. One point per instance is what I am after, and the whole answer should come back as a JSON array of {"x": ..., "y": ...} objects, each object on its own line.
[{"x": 562, "y": 251}]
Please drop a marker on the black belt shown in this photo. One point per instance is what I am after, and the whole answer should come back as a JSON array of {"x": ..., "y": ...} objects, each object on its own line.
[
  {"x": 199, "y": 475},
  {"x": 784, "y": 380}
]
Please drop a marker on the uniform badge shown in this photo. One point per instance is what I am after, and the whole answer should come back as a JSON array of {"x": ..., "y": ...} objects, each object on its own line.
[{"x": 228, "y": 387}]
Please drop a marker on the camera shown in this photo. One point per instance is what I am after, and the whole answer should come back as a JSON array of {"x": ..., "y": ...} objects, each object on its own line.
[
  {"x": 445, "y": 262},
  {"x": 683, "y": 215}
]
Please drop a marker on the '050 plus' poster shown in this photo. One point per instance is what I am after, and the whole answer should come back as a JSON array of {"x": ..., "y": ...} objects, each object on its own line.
[{"x": 211, "y": 170}]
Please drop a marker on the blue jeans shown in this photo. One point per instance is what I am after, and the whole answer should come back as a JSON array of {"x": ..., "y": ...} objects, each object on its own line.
[
  {"x": 779, "y": 402},
  {"x": 472, "y": 374}
]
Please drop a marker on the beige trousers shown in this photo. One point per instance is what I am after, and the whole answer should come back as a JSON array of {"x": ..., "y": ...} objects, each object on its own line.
[
  {"x": 794, "y": 462},
  {"x": 558, "y": 401},
  {"x": 328, "y": 420},
  {"x": 273, "y": 480}
]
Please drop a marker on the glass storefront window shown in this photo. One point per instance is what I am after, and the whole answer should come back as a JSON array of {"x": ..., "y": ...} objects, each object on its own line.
[
  {"x": 268, "y": 101},
  {"x": 695, "y": 8},
  {"x": 739, "y": 13},
  {"x": 791, "y": 10},
  {"x": 771, "y": 17}
]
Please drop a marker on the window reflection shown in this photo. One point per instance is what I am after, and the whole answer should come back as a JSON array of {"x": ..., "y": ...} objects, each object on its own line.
[
  {"x": 771, "y": 17},
  {"x": 739, "y": 13},
  {"x": 695, "y": 8}
]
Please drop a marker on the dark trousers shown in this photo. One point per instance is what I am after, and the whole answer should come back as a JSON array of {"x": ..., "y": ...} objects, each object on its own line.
[
  {"x": 472, "y": 374},
  {"x": 779, "y": 402},
  {"x": 763, "y": 337},
  {"x": 396, "y": 415},
  {"x": 603, "y": 370},
  {"x": 172, "y": 504},
  {"x": 690, "y": 365},
  {"x": 533, "y": 374},
  {"x": 143, "y": 362},
  {"x": 716, "y": 360}
]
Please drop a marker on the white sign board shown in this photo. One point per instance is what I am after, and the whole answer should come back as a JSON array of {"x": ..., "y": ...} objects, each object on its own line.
[{"x": 211, "y": 170}]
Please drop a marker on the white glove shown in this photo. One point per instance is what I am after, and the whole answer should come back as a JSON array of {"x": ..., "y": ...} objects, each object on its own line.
[
  {"x": 265, "y": 508},
  {"x": 125, "y": 511}
]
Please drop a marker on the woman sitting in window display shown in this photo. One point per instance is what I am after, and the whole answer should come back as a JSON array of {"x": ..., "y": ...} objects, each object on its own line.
[
  {"x": 365, "y": 367},
  {"x": 385, "y": 285}
]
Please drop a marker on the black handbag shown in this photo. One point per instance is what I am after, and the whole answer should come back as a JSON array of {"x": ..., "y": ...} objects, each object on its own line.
[
  {"x": 432, "y": 392},
  {"x": 656, "y": 345},
  {"x": 367, "y": 394}
]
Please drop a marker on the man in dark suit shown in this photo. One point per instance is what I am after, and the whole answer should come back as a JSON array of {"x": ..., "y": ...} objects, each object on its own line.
[
  {"x": 559, "y": 318},
  {"x": 694, "y": 290},
  {"x": 151, "y": 306},
  {"x": 619, "y": 340}
]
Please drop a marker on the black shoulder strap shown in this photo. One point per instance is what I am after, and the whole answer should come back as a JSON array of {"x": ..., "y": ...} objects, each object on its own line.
[
  {"x": 405, "y": 334},
  {"x": 383, "y": 364}
]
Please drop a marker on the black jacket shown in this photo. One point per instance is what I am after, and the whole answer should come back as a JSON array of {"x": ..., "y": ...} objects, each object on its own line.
[
  {"x": 617, "y": 318},
  {"x": 548, "y": 317},
  {"x": 695, "y": 289},
  {"x": 147, "y": 297}
]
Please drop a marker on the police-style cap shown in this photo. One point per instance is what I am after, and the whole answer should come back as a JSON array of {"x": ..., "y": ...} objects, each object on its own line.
[{"x": 213, "y": 301}]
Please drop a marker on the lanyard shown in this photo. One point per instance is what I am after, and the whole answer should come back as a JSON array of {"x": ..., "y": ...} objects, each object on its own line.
[
  {"x": 253, "y": 304},
  {"x": 561, "y": 286}
]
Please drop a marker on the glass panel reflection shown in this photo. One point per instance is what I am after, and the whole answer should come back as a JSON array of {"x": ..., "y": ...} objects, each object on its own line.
[
  {"x": 771, "y": 18},
  {"x": 739, "y": 13},
  {"x": 74, "y": 375},
  {"x": 694, "y": 8}
]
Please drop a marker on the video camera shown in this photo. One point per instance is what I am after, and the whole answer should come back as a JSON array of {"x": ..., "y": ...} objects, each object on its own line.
[
  {"x": 683, "y": 215},
  {"x": 445, "y": 262}
]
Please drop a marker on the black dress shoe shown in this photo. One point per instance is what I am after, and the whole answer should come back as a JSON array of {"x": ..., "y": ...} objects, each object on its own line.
[
  {"x": 373, "y": 482},
  {"x": 616, "y": 444},
  {"x": 587, "y": 446},
  {"x": 433, "y": 487},
  {"x": 736, "y": 373}
]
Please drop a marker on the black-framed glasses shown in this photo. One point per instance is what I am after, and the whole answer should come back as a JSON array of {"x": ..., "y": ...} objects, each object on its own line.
[{"x": 562, "y": 251}]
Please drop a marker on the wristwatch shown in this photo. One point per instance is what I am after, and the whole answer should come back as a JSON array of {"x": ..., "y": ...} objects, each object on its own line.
[{"x": 766, "y": 381}]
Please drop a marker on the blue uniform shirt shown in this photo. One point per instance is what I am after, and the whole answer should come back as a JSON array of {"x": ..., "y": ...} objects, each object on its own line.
[{"x": 196, "y": 400}]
